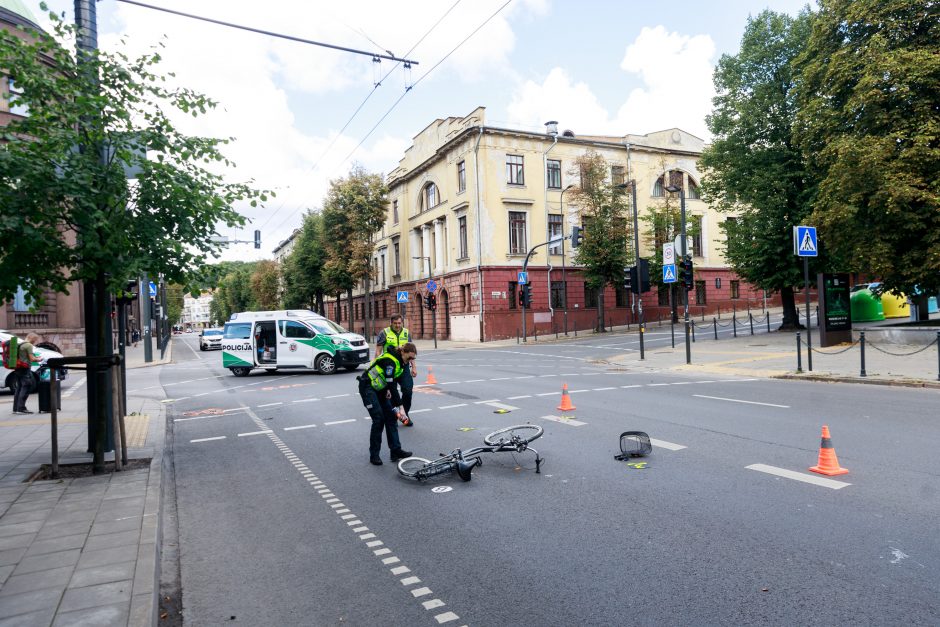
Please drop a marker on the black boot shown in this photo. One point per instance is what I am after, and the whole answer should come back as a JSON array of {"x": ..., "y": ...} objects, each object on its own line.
[{"x": 400, "y": 454}]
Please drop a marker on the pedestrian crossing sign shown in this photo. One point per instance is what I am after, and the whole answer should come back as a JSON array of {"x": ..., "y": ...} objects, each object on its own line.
[
  {"x": 403, "y": 297},
  {"x": 669, "y": 273},
  {"x": 805, "y": 243}
]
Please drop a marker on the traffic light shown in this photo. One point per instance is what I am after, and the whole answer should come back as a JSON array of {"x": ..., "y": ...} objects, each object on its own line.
[
  {"x": 641, "y": 277},
  {"x": 628, "y": 273},
  {"x": 685, "y": 272},
  {"x": 257, "y": 239},
  {"x": 431, "y": 302},
  {"x": 576, "y": 236},
  {"x": 525, "y": 295}
]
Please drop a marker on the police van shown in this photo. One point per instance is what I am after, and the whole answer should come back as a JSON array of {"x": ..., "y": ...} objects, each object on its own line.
[{"x": 289, "y": 339}]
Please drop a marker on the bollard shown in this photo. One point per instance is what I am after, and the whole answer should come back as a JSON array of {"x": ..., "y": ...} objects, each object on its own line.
[
  {"x": 536, "y": 332},
  {"x": 517, "y": 336},
  {"x": 692, "y": 324},
  {"x": 799, "y": 354},
  {"x": 703, "y": 314},
  {"x": 734, "y": 325},
  {"x": 861, "y": 343},
  {"x": 938, "y": 355},
  {"x": 768, "y": 322},
  {"x": 672, "y": 332},
  {"x": 750, "y": 319},
  {"x": 54, "y": 419},
  {"x": 715, "y": 327}
]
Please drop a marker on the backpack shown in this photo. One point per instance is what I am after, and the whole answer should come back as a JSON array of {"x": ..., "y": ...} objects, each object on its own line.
[{"x": 10, "y": 353}]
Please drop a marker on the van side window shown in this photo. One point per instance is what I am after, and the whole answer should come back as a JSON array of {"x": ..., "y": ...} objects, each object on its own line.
[
  {"x": 238, "y": 331},
  {"x": 292, "y": 329}
]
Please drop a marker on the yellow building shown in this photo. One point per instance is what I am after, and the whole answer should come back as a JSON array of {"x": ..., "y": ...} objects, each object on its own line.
[{"x": 468, "y": 201}]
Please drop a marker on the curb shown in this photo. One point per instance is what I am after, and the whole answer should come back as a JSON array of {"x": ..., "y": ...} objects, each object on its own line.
[
  {"x": 909, "y": 383},
  {"x": 168, "y": 358}
]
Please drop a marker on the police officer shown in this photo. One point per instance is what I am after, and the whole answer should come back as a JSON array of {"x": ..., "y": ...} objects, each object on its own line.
[
  {"x": 396, "y": 335},
  {"x": 380, "y": 396}
]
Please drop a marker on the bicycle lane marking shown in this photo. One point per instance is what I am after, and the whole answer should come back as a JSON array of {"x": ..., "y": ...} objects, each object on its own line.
[{"x": 357, "y": 526}]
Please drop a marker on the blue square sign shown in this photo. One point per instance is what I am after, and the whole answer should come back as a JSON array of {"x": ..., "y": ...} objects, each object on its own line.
[
  {"x": 805, "y": 243},
  {"x": 403, "y": 297},
  {"x": 669, "y": 273},
  {"x": 523, "y": 278}
]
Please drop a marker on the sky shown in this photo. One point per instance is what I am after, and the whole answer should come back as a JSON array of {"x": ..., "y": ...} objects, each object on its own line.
[{"x": 596, "y": 66}]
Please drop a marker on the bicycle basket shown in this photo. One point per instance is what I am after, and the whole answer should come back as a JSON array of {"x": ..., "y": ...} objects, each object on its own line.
[{"x": 634, "y": 444}]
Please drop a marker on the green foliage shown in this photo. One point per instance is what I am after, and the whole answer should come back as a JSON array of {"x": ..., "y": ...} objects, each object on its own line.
[
  {"x": 265, "y": 284},
  {"x": 752, "y": 167},
  {"x": 303, "y": 268},
  {"x": 354, "y": 209},
  {"x": 233, "y": 292},
  {"x": 66, "y": 214},
  {"x": 174, "y": 302},
  {"x": 869, "y": 124},
  {"x": 604, "y": 211}
]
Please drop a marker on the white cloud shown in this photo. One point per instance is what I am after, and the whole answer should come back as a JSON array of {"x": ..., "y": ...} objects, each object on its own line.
[{"x": 676, "y": 75}]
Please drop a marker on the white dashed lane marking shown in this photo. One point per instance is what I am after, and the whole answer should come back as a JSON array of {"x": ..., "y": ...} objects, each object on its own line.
[
  {"x": 737, "y": 400},
  {"x": 798, "y": 476},
  {"x": 221, "y": 437}
]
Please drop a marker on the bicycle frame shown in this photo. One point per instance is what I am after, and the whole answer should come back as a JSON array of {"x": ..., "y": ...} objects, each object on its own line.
[{"x": 452, "y": 461}]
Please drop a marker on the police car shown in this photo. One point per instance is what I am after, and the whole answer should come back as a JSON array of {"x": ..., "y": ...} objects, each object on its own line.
[{"x": 289, "y": 339}]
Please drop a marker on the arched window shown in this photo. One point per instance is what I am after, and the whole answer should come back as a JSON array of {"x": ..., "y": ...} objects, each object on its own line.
[
  {"x": 676, "y": 178},
  {"x": 430, "y": 197}
]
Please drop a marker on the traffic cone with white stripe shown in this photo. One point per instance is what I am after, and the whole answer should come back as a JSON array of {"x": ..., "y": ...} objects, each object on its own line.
[
  {"x": 828, "y": 462},
  {"x": 565, "y": 399},
  {"x": 431, "y": 380}
]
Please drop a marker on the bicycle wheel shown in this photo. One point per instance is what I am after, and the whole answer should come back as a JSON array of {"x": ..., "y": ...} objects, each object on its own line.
[
  {"x": 411, "y": 467},
  {"x": 526, "y": 433}
]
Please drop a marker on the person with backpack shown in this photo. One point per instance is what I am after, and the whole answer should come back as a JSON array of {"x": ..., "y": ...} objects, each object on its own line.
[
  {"x": 379, "y": 392},
  {"x": 23, "y": 373}
]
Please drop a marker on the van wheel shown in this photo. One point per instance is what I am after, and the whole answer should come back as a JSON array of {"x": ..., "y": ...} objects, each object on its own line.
[
  {"x": 325, "y": 364},
  {"x": 240, "y": 371}
]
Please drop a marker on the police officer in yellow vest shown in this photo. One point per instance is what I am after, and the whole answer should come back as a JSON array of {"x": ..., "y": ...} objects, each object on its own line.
[
  {"x": 397, "y": 335},
  {"x": 380, "y": 396}
]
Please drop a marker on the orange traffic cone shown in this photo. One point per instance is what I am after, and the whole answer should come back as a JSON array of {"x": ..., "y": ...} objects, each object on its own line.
[
  {"x": 565, "y": 399},
  {"x": 431, "y": 380},
  {"x": 828, "y": 462}
]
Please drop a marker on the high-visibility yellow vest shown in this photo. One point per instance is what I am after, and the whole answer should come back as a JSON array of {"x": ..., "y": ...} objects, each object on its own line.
[
  {"x": 395, "y": 340},
  {"x": 376, "y": 373}
]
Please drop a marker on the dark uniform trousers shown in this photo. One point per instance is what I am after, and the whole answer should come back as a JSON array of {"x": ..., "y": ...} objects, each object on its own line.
[{"x": 380, "y": 409}]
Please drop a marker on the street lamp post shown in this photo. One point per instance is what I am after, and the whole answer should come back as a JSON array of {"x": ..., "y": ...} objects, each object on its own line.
[
  {"x": 564, "y": 276},
  {"x": 433, "y": 311},
  {"x": 674, "y": 189},
  {"x": 636, "y": 260}
]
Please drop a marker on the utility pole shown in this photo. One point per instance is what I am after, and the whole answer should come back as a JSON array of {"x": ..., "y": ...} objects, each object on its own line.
[{"x": 674, "y": 189}]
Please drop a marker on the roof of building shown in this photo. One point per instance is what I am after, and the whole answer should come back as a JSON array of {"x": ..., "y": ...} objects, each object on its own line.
[{"x": 17, "y": 12}]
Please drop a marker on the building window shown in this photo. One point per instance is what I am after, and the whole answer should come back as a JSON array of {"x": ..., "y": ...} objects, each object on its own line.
[
  {"x": 700, "y": 293},
  {"x": 558, "y": 295},
  {"x": 462, "y": 236},
  {"x": 553, "y": 174},
  {"x": 583, "y": 173},
  {"x": 21, "y": 301},
  {"x": 462, "y": 176},
  {"x": 511, "y": 294},
  {"x": 429, "y": 197},
  {"x": 590, "y": 297},
  {"x": 735, "y": 289},
  {"x": 517, "y": 245},
  {"x": 696, "y": 236},
  {"x": 620, "y": 293},
  {"x": 616, "y": 175},
  {"x": 663, "y": 295},
  {"x": 397, "y": 260},
  {"x": 555, "y": 226},
  {"x": 394, "y": 212},
  {"x": 15, "y": 99},
  {"x": 515, "y": 172},
  {"x": 693, "y": 191}
]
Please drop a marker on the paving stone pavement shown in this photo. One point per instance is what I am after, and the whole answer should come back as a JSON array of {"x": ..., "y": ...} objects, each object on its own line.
[{"x": 80, "y": 551}]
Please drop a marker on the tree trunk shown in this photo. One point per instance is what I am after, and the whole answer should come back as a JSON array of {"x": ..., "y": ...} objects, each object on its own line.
[
  {"x": 600, "y": 311},
  {"x": 791, "y": 319},
  {"x": 319, "y": 303},
  {"x": 352, "y": 315}
]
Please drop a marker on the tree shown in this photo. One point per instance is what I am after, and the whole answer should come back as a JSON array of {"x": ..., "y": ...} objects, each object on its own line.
[
  {"x": 354, "y": 210},
  {"x": 604, "y": 252},
  {"x": 174, "y": 303},
  {"x": 265, "y": 284},
  {"x": 868, "y": 123},
  {"x": 664, "y": 223},
  {"x": 232, "y": 290},
  {"x": 753, "y": 166},
  {"x": 67, "y": 210},
  {"x": 303, "y": 268}
]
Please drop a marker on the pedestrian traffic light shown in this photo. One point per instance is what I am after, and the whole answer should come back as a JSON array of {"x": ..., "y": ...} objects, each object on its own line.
[
  {"x": 257, "y": 239},
  {"x": 431, "y": 302},
  {"x": 576, "y": 236},
  {"x": 640, "y": 276},
  {"x": 628, "y": 273},
  {"x": 525, "y": 295},
  {"x": 685, "y": 272}
]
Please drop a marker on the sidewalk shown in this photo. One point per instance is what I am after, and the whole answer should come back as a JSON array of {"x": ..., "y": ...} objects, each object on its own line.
[
  {"x": 83, "y": 550},
  {"x": 763, "y": 354}
]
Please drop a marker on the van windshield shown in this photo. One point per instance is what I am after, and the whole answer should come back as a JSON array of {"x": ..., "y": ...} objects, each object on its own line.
[
  {"x": 238, "y": 331},
  {"x": 326, "y": 327}
]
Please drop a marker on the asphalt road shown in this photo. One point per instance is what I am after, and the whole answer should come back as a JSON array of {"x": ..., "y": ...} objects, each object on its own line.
[{"x": 283, "y": 521}]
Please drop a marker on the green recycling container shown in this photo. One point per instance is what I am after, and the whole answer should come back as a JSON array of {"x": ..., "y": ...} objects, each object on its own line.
[{"x": 866, "y": 307}]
